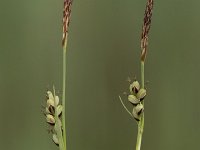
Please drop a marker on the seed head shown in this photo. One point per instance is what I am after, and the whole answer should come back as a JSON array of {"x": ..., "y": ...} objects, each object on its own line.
[
  {"x": 53, "y": 114},
  {"x": 146, "y": 28},
  {"x": 66, "y": 19}
]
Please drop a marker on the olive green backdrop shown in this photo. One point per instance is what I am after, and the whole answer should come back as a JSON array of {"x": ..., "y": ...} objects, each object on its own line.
[{"x": 104, "y": 49}]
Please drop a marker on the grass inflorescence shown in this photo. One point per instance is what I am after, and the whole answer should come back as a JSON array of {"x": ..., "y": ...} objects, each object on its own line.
[
  {"x": 55, "y": 110},
  {"x": 138, "y": 91}
]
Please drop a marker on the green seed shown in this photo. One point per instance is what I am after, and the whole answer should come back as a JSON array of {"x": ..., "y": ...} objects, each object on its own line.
[
  {"x": 134, "y": 87},
  {"x": 50, "y": 95},
  {"x": 47, "y": 110},
  {"x": 141, "y": 94},
  {"x": 50, "y": 102},
  {"x": 133, "y": 99},
  {"x": 137, "y": 111},
  {"x": 59, "y": 109},
  {"x": 56, "y": 100},
  {"x": 50, "y": 119},
  {"x": 55, "y": 139}
]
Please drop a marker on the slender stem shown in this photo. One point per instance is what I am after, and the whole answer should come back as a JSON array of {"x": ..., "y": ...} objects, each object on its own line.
[
  {"x": 142, "y": 74},
  {"x": 141, "y": 122},
  {"x": 61, "y": 142},
  {"x": 64, "y": 94}
]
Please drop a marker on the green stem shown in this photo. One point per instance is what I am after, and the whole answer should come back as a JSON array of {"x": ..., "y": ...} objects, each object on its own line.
[
  {"x": 141, "y": 122},
  {"x": 142, "y": 74},
  {"x": 58, "y": 126},
  {"x": 64, "y": 94},
  {"x": 58, "y": 129}
]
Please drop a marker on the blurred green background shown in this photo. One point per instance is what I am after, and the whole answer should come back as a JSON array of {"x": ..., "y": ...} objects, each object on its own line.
[{"x": 104, "y": 49}]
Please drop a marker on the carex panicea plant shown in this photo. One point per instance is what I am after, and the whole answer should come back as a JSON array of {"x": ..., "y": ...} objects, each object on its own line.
[
  {"x": 54, "y": 108},
  {"x": 137, "y": 91}
]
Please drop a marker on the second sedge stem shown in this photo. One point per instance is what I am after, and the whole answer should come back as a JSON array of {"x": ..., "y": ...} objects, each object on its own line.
[
  {"x": 141, "y": 122},
  {"x": 64, "y": 94}
]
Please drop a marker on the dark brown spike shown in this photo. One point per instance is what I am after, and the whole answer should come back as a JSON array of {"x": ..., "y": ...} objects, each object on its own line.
[
  {"x": 145, "y": 28},
  {"x": 66, "y": 19}
]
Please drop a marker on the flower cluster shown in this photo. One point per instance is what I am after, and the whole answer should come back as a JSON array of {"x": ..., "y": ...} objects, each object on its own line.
[
  {"x": 145, "y": 28},
  {"x": 66, "y": 19},
  {"x": 53, "y": 112},
  {"x": 136, "y": 97}
]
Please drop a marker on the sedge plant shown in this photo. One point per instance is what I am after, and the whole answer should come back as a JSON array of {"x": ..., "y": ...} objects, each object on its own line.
[
  {"x": 55, "y": 109},
  {"x": 137, "y": 90}
]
